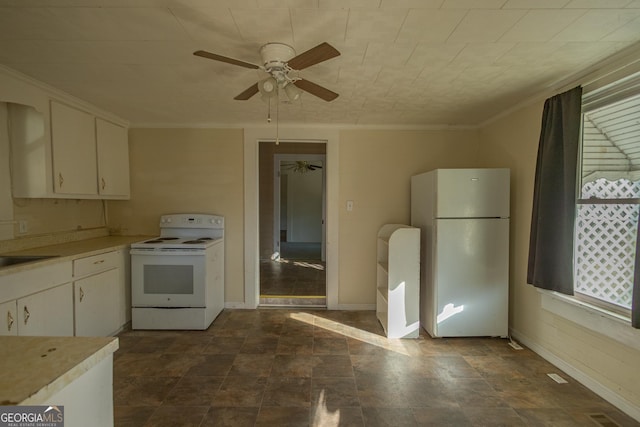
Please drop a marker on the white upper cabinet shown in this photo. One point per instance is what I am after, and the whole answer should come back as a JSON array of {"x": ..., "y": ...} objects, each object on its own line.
[
  {"x": 113, "y": 159},
  {"x": 73, "y": 138},
  {"x": 67, "y": 153},
  {"x": 60, "y": 146}
]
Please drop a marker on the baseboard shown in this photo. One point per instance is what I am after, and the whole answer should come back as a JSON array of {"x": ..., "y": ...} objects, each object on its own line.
[
  {"x": 238, "y": 305},
  {"x": 347, "y": 307},
  {"x": 592, "y": 384},
  {"x": 356, "y": 307}
]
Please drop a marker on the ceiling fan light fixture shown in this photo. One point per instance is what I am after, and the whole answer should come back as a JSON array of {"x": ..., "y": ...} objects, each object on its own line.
[
  {"x": 293, "y": 92},
  {"x": 268, "y": 87}
]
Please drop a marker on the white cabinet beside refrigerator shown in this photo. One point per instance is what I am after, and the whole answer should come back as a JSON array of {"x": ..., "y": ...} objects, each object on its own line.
[{"x": 463, "y": 215}]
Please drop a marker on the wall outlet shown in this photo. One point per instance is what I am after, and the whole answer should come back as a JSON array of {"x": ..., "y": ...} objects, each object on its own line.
[{"x": 22, "y": 226}]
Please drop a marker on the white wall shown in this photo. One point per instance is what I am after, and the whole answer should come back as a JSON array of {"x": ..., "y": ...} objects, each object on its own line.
[
  {"x": 304, "y": 206},
  {"x": 6, "y": 202},
  {"x": 187, "y": 171},
  {"x": 604, "y": 364}
]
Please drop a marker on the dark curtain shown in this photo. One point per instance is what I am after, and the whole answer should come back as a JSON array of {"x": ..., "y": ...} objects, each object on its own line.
[{"x": 554, "y": 195}]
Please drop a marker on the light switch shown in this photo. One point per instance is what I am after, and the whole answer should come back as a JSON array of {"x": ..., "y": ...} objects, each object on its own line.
[{"x": 349, "y": 205}]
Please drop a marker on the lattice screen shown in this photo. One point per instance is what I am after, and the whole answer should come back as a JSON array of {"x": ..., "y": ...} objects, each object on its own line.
[{"x": 605, "y": 242}]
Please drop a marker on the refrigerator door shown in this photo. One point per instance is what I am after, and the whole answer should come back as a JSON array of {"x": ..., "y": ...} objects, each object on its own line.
[
  {"x": 471, "y": 277},
  {"x": 472, "y": 193}
]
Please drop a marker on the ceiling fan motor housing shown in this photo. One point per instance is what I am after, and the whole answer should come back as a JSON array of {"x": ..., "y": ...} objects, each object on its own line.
[{"x": 276, "y": 55}]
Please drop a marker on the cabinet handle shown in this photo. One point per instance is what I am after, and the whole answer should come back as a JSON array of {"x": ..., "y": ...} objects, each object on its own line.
[
  {"x": 98, "y": 262},
  {"x": 104, "y": 184},
  {"x": 26, "y": 314},
  {"x": 9, "y": 321},
  {"x": 81, "y": 294},
  {"x": 60, "y": 179}
]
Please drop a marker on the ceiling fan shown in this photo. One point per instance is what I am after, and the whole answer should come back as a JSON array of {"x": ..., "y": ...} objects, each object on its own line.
[
  {"x": 281, "y": 63},
  {"x": 300, "y": 166}
]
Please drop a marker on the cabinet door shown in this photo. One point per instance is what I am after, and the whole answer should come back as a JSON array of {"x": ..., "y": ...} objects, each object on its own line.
[
  {"x": 113, "y": 159},
  {"x": 8, "y": 319},
  {"x": 47, "y": 313},
  {"x": 96, "y": 304},
  {"x": 73, "y": 142}
]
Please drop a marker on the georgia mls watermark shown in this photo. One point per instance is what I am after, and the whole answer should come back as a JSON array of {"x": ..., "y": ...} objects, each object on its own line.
[{"x": 32, "y": 416}]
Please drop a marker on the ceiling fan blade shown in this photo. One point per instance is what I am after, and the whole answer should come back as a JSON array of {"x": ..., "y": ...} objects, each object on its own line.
[
  {"x": 317, "y": 90},
  {"x": 221, "y": 58},
  {"x": 251, "y": 90},
  {"x": 313, "y": 56}
]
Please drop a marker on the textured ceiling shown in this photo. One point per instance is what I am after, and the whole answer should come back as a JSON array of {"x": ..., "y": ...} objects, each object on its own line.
[{"x": 403, "y": 62}]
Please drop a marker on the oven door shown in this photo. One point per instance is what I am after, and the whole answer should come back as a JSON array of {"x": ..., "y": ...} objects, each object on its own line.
[{"x": 166, "y": 278}]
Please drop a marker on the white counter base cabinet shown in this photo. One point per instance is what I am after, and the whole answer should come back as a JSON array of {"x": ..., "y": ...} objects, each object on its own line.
[
  {"x": 398, "y": 280},
  {"x": 47, "y": 313},
  {"x": 38, "y": 300},
  {"x": 88, "y": 400},
  {"x": 95, "y": 305},
  {"x": 76, "y": 373},
  {"x": 98, "y": 290}
]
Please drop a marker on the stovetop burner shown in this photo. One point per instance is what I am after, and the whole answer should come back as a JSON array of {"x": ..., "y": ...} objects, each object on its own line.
[{"x": 188, "y": 232}]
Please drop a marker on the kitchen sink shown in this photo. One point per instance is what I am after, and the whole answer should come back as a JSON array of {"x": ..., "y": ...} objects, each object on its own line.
[{"x": 7, "y": 260}]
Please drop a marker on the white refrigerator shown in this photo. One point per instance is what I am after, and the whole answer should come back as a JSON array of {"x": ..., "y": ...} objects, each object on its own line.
[{"x": 463, "y": 215}]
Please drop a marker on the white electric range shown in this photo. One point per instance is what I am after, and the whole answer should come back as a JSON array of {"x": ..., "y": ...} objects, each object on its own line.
[{"x": 177, "y": 278}]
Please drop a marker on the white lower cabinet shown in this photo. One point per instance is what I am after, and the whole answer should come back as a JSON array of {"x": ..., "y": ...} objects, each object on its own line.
[
  {"x": 99, "y": 294},
  {"x": 88, "y": 400},
  {"x": 89, "y": 296},
  {"x": 47, "y": 313},
  {"x": 9, "y": 318},
  {"x": 96, "y": 310}
]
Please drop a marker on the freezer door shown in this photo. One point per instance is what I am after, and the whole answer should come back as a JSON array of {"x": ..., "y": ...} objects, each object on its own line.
[
  {"x": 472, "y": 193},
  {"x": 471, "y": 277}
]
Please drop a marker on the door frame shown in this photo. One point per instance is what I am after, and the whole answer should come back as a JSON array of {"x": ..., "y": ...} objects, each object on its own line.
[
  {"x": 277, "y": 159},
  {"x": 252, "y": 138}
]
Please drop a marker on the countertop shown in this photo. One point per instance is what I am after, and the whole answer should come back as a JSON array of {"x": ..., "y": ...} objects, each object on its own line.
[
  {"x": 35, "y": 368},
  {"x": 70, "y": 251}
]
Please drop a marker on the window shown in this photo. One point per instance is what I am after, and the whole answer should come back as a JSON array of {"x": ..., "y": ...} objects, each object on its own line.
[{"x": 608, "y": 196}]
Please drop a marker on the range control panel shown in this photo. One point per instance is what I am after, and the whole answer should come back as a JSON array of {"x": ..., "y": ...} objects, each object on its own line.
[{"x": 191, "y": 221}]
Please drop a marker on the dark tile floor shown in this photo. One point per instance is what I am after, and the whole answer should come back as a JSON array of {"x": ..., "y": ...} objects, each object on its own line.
[{"x": 277, "y": 367}]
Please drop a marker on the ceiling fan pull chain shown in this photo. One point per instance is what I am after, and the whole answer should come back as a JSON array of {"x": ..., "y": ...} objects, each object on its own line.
[{"x": 277, "y": 116}]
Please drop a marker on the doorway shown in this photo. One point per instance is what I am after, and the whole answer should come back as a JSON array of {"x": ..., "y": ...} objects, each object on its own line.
[{"x": 292, "y": 226}]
